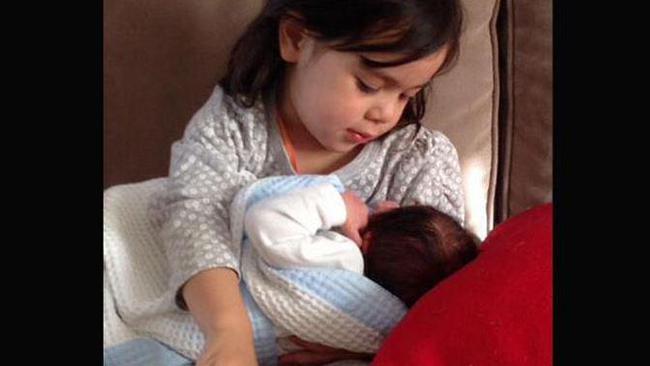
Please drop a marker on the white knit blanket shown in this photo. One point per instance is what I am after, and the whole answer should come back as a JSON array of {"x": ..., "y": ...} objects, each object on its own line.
[
  {"x": 137, "y": 298},
  {"x": 136, "y": 278}
]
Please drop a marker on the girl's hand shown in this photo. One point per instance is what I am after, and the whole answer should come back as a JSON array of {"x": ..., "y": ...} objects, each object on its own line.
[
  {"x": 230, "y": 348},
  {"x": 357, "y": 216},
  {"x": 315, "y": 354},
  {"x": 222, "y": 317}
]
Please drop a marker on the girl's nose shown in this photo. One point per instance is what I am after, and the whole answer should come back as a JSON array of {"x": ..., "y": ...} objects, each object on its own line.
[{"x": 384, "y": 112}]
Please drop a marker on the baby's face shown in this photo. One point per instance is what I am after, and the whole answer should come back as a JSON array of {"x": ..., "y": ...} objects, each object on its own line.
[{"x": 365, "y": 242}]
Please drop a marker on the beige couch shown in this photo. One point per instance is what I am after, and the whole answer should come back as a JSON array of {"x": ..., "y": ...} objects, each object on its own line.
[{"x": 162, "y": 58}]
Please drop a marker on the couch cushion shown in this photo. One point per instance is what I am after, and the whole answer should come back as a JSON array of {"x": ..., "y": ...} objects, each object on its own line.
[
  {"x": 526, "y": 113},
  {"x": 464, "y": 106},
  {"x": 495, "y": 311},
  {"x": 162, "y": 59}
]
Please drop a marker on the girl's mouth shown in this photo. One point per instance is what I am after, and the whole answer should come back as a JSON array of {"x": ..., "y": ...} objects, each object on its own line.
[{"x": 358, "y": 137}]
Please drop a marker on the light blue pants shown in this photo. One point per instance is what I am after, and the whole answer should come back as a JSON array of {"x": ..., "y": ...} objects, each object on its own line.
[{"x": 144, "y": 352}]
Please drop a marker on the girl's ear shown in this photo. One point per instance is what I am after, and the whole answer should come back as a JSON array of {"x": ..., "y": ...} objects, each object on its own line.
[{"x": 292, "y": 39}]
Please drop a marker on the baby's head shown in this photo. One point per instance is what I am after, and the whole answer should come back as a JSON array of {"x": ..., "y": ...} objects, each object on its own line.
[
  {"x": 326, "y": 58},
  {"x": 408, "y": 250}
]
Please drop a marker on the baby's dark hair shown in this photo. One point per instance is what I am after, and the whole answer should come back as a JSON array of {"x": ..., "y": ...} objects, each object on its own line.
[
  {"x": 412, "y": 248},
  {"x": 413, "y": 28}
]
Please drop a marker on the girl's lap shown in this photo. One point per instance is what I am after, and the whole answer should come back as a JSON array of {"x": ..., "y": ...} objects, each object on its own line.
[{"x": 143, "y": 352}]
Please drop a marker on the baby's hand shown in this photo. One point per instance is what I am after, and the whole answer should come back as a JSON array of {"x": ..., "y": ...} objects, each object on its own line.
[
  {"x": 357, "y": 216},
  {"x": 317, "y": 354},
  {"x": 384, "y": 206}
]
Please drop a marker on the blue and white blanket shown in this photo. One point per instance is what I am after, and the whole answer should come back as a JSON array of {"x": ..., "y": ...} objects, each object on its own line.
[{"x": 334, "y": 307}]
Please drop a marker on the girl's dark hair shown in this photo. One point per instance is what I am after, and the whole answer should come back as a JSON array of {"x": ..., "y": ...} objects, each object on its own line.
[
  {"x": 412, "y": 248},
  {"x": 413, "y": 28}
]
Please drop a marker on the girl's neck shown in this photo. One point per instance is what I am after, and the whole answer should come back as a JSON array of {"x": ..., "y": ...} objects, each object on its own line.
[{"x": 311, "y": 156}]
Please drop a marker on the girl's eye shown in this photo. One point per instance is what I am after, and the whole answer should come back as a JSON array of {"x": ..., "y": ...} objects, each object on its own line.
[
  {"x": 406, "y": 97},
  {"x": 365, "y": 88}
]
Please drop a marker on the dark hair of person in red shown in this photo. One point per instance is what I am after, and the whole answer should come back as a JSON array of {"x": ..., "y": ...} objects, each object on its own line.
[{"x": 413, "y": 248}]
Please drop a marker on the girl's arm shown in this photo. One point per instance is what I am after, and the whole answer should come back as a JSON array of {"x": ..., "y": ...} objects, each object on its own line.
[
  {"x": 207, "y": 169},
  {"x": 222, "y": 318}
]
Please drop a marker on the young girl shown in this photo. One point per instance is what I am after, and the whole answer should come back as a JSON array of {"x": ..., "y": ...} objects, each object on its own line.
[{"x": 313, "y": 87}]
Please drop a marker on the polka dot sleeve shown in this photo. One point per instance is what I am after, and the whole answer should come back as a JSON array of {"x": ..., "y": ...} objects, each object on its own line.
[
  {"x": 430, "y": 174},
  {"x": 207, "y": 169}
]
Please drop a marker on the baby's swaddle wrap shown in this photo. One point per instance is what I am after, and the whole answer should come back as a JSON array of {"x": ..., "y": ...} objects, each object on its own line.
[{"x": 330, "y": 306}]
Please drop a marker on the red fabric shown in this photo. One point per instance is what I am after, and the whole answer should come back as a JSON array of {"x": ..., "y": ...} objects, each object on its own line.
[{"x": 495, "y": 311}]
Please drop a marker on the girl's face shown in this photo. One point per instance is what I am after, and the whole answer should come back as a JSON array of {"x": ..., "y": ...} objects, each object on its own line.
[{"x": 341, "y": 102}]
